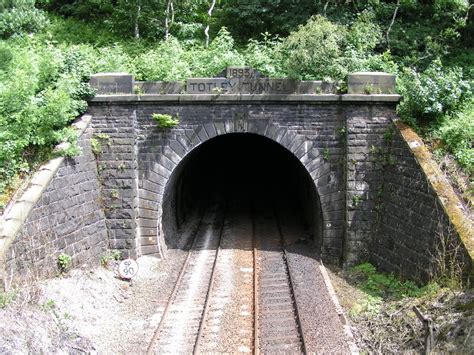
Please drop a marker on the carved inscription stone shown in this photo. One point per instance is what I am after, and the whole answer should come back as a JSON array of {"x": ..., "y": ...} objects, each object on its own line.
[
  {"x": 241, "y": 80},
  {"x": 207, "y": 85},
  {"x": 242, "y": 73}
]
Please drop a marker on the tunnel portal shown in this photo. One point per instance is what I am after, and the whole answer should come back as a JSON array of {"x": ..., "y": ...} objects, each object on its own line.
[{"x": 246, "y": 169}]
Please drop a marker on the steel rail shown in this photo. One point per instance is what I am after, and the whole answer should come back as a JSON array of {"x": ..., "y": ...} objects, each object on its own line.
[
  {"x": 177, "y": 285},
  {"x": 197, "y": 343},
  {"x": 256, "y": 335},
  {"x": 292, "y": 285}
]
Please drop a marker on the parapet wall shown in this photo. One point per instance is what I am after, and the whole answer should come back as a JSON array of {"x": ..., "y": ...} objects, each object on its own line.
[{"x": 60, "y": 212}]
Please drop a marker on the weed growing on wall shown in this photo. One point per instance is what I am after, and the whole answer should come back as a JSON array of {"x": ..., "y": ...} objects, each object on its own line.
[
  {"x": 110, "y": 256},
  {"x": 165, "y": 121},
  {"x": 64, "y": 262}
]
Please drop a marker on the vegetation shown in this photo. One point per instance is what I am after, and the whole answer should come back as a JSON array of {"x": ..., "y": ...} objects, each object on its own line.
[
  {"x": 110, "y": 256},
  {"x": 381, "y": 308},
  {"x": 6, "y": 297},
  {"x": 64, "y": 262},
  {"x": 165, "y": 121},
  {"x": 48, "y": 49}
]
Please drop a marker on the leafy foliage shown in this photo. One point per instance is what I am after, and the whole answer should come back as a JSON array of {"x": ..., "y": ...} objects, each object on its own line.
[
  {"x": 165, "y": 121},
  {"x": 167, "y": 61},
  {"x": 322, "y": 49},
  {"x": 433, "y": 93},
  {"x": 50, "y": 47},
  {"x": 379, "y": 288},
  {"x": 41, "y": 92},
  {"x": 314, "y": 50},
  {"x": 64, "y": 262},
  {"x": 20, "y": 16},
  {"x": 457, "y": 132}
]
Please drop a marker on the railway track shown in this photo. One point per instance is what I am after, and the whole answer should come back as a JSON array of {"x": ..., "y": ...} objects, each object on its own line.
[
  {"x": 181, "y": 322},
  {"x": 184, "y": 325},
  {"x": 277, "y": 325}
]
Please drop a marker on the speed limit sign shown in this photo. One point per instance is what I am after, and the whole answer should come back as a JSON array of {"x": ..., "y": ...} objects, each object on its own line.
[{"x": 128, "y": 268}]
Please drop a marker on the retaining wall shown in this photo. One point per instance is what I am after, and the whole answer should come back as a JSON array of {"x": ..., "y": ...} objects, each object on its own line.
[
  {"x": 420, "y": 226},
  {"x": 60, "y": 212}
]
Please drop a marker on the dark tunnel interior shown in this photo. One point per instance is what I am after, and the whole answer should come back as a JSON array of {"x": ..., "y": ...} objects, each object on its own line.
[{"x": 241, "y": 168}]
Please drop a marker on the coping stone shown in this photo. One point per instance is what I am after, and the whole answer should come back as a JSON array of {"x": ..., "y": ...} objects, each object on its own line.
[
  {"x": 371, "y": 82},
  {"x": 190, "y": 98}
]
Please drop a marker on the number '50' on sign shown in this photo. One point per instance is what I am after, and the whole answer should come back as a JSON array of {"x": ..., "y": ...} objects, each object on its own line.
[{"x": 128, "y": 268}]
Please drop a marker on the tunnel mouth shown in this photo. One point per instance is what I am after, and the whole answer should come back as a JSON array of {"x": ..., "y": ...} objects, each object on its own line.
[{"x": 242, "y": 169}]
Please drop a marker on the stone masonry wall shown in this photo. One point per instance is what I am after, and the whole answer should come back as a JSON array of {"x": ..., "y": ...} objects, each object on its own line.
[
  {"x": 68, "y": 218},
  {"x": 310, "y": 131},
  {"x": 115, "y": 131},
  {"x": 413, "y": 235},
  {"x": 367, "y": 126}
]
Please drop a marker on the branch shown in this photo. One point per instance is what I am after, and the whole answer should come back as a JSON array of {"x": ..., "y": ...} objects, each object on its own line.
[
  {"x": 392, "y": 22},
  {"x": 137, "y": 28},
  {"x": 206, "y": 31},
  {"x": 168, "y": 23},
  {"x": 428, "y": 328},
  {"x": 325, "y": 8}
]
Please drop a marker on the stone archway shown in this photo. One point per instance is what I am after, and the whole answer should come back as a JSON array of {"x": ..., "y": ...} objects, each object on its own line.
[{"x": 185, "y": 142}]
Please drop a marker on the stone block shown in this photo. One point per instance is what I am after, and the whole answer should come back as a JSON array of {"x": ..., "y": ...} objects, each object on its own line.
[
  {"x": 112, "y": 83},
  {"x": 315, "y": 87},
  {"x": 371, "y": 83},
  {"x": 160, "y": 87}
]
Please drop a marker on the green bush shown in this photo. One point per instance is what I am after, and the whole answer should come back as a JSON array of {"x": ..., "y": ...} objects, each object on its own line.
[
  {"x": 324, "y": 50},
  {"x": 264, "y": 55},
  {"x": 41, "y": 91},
  {"x": 20, "y": 16},
  {"x": 383, "y": 285},
  {"x": 314, "y": 51},
  {"x": 457, "y": 132},
  {"x": 165, "y": 121},
  {"x": 167, "y": 62},
  {"x": 208, "y": 62},
  {"x": 64, "y": 262},
  {"x": 429, "y": 95}
]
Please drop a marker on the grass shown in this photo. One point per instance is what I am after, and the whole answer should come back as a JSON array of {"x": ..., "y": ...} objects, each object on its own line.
[
  {"x": 6, "y": 298},
  {"x": 380, "y": 287}
]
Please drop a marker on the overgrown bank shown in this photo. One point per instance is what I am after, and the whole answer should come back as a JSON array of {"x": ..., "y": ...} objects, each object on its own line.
[{"x": 383, "y": 312}]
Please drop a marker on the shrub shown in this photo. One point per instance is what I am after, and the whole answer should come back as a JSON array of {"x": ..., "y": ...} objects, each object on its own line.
[
  {"x": 165, "y": 62},
  {"x": 165, "y": 121},
  {"x": 41, "y": 92},
  {"x": 213, "y": 60},
  {"x": 264, "y": 56},
  {"x": 431, "y": 94},
  {"x": 20, "y": 16},
  {"x": 314, "y": 50},
  {"x": 64, "y": 262},
  {"x": 457, "y": 132}
]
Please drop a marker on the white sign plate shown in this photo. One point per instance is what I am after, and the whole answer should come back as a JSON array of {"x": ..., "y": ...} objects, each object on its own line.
[{"x": 128, "y": 268}]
